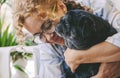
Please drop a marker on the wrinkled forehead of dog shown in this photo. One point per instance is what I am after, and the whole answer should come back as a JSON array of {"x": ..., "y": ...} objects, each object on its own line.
[{"x": 72, "y": 20}]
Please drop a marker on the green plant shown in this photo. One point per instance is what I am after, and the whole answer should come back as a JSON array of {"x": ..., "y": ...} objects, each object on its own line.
[
  {"x": 6, "y": 38},
  {"x": 2, "y": 1},
  {"x": 18, "y": 67},
  {"x": 17, "y": 55}
]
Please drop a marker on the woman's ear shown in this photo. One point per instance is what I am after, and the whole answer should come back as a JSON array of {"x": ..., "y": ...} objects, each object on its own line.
[{"x": 62, "y": 6}]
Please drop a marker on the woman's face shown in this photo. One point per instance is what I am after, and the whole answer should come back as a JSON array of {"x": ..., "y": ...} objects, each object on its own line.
[
  {"x": 51, "y": 37},
  {"x": 34, "y": 25}
]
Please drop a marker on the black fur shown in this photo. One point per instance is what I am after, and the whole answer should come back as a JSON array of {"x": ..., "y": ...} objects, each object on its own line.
[
  {"x": 81, "y": 30},
  {"x": 71, "y": 5}
]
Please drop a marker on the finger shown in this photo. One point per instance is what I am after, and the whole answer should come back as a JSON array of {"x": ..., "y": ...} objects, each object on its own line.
[
  {"x": 93, "y": 77},
  {"x": 68, "y": 63},
  {"x": 96, "y": 76},
  {"x": 67, "y": 50},
  {"x": 65, "y": 53},
  {"x": 73, "y": 67}
]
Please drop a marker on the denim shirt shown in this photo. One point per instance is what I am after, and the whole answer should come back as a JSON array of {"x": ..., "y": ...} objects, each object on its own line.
[
  {"x": 52, "y": 63},
  {"x": 108, "y": 10}
]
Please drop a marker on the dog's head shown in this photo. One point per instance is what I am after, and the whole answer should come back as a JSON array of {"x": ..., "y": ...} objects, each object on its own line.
[{"x": 81, "y": 29}]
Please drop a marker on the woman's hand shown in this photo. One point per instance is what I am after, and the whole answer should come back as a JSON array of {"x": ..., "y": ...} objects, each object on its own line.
[{"x": 73, "y": 58}]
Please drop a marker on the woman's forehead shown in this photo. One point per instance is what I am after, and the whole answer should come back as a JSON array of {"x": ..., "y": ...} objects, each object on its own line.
[
  {"x": 32, "y": 20},
  {"x": 33, "y": 24}
]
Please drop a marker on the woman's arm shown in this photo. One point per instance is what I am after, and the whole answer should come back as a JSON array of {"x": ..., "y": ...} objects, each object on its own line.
[{"x": 103, "y": 52}]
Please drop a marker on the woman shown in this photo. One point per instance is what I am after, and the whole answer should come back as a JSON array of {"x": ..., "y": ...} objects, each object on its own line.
[{"x": 31, "y": 15}]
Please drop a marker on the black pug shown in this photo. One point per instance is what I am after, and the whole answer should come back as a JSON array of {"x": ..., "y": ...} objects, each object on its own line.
[{"x": 81, "y": 30}]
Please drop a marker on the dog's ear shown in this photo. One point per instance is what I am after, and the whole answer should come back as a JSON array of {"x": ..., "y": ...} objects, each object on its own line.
[{"x": 86, "y": 25}]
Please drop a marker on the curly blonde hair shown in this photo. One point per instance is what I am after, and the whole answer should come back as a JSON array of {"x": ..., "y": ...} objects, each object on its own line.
[
  {"x": 24, "y": 8},
  {"x": 44, "y": 8}
]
